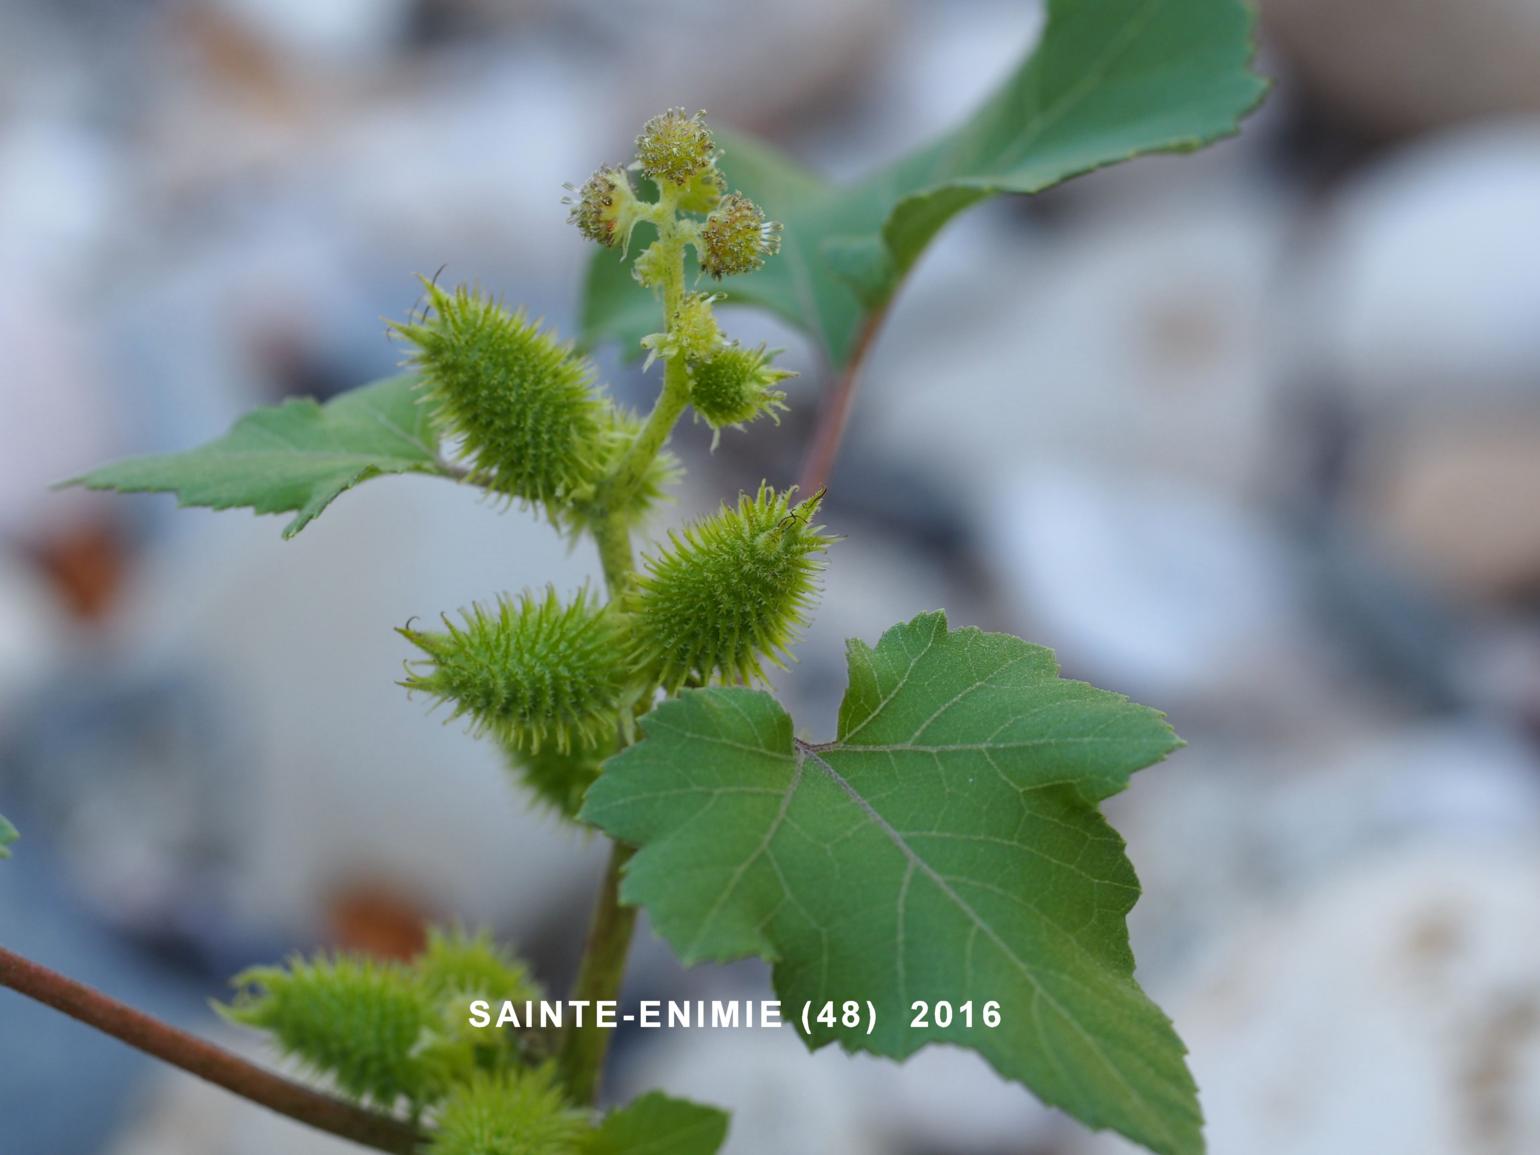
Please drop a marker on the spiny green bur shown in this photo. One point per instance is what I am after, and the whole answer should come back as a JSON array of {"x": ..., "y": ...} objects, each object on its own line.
[
  {"x": 522, "y": 402},
  {"x": 559, "y": 779},
  {"x": 355, "y": 1020},
  {"x": 453, "y": 969},
  {"x": 735, "y": 385},
  {"x": 538, "y": 672},
  {"x": 385, "y": 1032},
  {"x": 730, "y": 592},
  {"x": 510, "y": 1113},
  {"x": 456, "y": 964}
]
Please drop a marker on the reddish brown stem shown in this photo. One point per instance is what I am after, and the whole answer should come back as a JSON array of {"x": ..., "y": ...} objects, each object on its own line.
[
  {"x": 214, "y": 1064},
  {"x": 835, "y": 413}
]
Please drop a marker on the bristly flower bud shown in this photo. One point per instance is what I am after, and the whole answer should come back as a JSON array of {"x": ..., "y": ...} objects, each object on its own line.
[
  {"x": 521, "y": 401},
  {"x": 605, "y": 209},
  {"x": 653, "y": 265},
  {"x": 737, "y": 238},
  {"x": 692, "y": 331},
  {"x": 729, "y": 593},
  {"x": 735, "y": 385},
  {"x": 536, "y": 672},
  {"x": 674, "y": 147}
]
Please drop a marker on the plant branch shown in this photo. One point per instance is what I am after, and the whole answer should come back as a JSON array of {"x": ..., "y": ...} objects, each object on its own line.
[
  {"x": 583, "y": 1049},
  {"x": 619, "y": 487},
  {"x": 599, "y": 978},
  {"x": 829, "y": 432},
  {"x": 213, "y": 1064}
]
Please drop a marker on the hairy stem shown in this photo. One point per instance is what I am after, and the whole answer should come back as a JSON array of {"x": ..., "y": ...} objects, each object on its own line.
[
  {"x": 614, "y": 542},
  {"x": 213, "y": 1064},
  {"x": 829, "y": 432},
  {"x": 618, "y": 488},
  {"x": 583, "y": 1049},
  {"x": 599, "y": 978}
]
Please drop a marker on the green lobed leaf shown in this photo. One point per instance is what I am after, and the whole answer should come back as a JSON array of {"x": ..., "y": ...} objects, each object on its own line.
[
  {"x": 1109, "y": 80},
  {"x": 296, "y": 457},
  {"x": 946, "y": 846},
  {"x": 656, "y": 1124},
  {"x": 8, "y": 835}
]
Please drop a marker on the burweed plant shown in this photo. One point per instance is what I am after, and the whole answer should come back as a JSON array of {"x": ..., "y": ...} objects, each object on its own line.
[{"x": 939, "y": 872}]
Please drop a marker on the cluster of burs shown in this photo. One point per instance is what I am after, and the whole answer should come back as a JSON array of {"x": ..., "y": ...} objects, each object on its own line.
[{"x": 559, "y": 681}]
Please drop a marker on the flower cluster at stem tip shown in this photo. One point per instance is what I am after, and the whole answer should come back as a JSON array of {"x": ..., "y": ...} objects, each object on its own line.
[{"x": 559, "y": 681}]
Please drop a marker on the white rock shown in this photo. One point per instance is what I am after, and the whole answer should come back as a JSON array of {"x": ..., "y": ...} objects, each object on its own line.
[
  {"x": 1421, "y": 288},
  {"x": 336, "y": 33},
  {"x": 1396, "y": 1008},
  {"x": 941, "y": 1099},
  {"x": 352, "y": 779},
  {"x": 1155, "y": 586},
  {"x": 1130, "y": 340},
  {"x": 1458, "y": 500}
]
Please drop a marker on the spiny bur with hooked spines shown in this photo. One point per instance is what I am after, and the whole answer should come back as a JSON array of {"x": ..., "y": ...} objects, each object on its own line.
[
  {"x": 559, "y": 780},
  {"x": 735, "y": 385},
  {"x": 356, "y": 1020},
  {"x": 538, "y": 672},
  {"x": 455, "y": 967},
  {"x": 522, "y": 403},
  {"x": 730, "y": 592},
  {"x": 457, "y": 964},
  {"x": 519, "y": 1112}
]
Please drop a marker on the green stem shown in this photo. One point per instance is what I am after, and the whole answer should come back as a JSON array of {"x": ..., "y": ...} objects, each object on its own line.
[
  {"x": 670, "y": 406},
  {"x": 616, "y": 490},
  {"x": 599, "y": 978},
  {"x": 583, "y": 1049},
  {"x": 614, "y": 542}
]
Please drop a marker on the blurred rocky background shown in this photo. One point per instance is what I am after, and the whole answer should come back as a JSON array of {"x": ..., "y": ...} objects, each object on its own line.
[{"x": 1253, "y": 436}]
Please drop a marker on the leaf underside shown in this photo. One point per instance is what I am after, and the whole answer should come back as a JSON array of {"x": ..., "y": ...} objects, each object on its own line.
[
  {"x": 658, "y": 1125},
  {"x": 296, "y": 457},
  {"x": 946, "y": 846},
  {"x": 1109, "y": 80}
]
